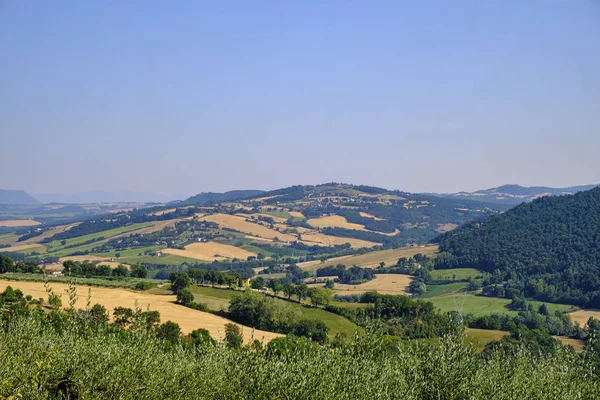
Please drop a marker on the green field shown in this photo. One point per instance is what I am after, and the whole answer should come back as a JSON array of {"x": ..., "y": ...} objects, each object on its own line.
[
  {"x": 456, "y": 274},
  {"x": 439, "y": 290},
  {"x": 481, "y": 305},
  {"x": 257, "y": 250},
  {"x": 56, "y": 245},
  {"x": 279, "y": 214},
  {"x": 218, "y": 299},
  {"x": 480, "y": 337}
]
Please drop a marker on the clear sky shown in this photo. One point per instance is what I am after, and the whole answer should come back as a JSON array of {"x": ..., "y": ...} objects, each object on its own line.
[{"x": 183, "y": 97}]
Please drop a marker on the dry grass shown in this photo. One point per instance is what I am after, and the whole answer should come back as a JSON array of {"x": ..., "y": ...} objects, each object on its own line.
[
  {"x": 296, "y": 214},
  {"x": 163, "y": 212},
  {"x": 250, "y": 228},
  {"x": 582, "y": 316},
  {"x": 442, "y": 228},
  {"x": 20, "y": 247},
  {"x": 367, "y": 215},
  {"x": 257, "y": 215},
  {"x": 334, "y": 221},
  {"x": 110, "y": 298},
  {"x": 316, "y": 238},
  {"x": 11, "y": 223},
  {"x": 211, "y": 251},
  {"x": 371, "y": 260},
  {"x": 382, "y": 283}
]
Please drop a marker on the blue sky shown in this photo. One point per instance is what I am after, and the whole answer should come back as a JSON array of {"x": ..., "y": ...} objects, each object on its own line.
[{"x": 183, "y": 97}]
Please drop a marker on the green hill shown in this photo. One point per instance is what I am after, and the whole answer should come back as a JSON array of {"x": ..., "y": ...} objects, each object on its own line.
[{"x": 547, "y": 249}]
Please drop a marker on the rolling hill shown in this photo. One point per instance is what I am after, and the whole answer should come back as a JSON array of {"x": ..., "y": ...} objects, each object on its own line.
[
  {"x": 203, "y": 198},
  {"x": 514, "y": 194},
  {"x": 547, "y": 249},
  {"x": 17, "y": 197}
]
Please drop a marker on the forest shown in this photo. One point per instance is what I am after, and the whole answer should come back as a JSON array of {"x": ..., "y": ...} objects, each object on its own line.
[{"x": 548, "y": 249}]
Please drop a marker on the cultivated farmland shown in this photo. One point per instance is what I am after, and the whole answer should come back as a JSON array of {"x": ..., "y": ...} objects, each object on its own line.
[
  {"x": 372, "y": 259},
  {"x": 382, "y": 283},
  {"x": 582, "y": 316},
  {"x": 211, "y": 251},
  {"x": 18, "y": 222},
  {"x": 334, "y": 221},
  {"x": 110, "y": 298}
]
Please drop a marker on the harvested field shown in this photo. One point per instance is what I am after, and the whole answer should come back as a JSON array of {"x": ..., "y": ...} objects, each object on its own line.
[
  {"x": 187, "y": 318},
  {"x": 163, "y": 212},
  {"x": 156, "y": 226},
  {"x": 334, "y": 221},
  {"x": 371, "y": 260},
  {"x": 315, "y": 238},
  {"x": 257, "y": 215},
  {"x": 296, "y": 214},
  {"x": 9, "y": 239},
  {"x": 11, "y": 223},
  {"x": 367, "y": 215},
  {"x": 211, "y": 251},
  {"x": 442, "y": 228},
  {"x": 582, "y": 316},
  {"x": 22, "y": 247},
  {"x": 382, "y": 283},
  {"x": 240, "y": 224}
]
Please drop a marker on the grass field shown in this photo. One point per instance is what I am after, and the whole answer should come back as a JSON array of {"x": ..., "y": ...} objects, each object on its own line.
[
  {"x": 455, "y": 274},
  {"x": 9, "y": 238},
  {"x": 278, "y": 214},
  {"x": 296, "y": 214},
  {"x": 24, "y": 248},
  {"x": 218, "y": 299},
  {"x": 382, "y": 283},
  {"x": 12, "y": 223},
  {"x": 257, "y": 250},
  {"x": 439, "y": 290},
  {"x": 56, "y": 245},
  {"x": 480, "y": 337},
  {"x": 187, "y": 318},
  {"x": 372, "y": 259},
  {"x": 210, "y": 251},
  {"x": 582, "y": 316},
  {"x": 468, "y": 303}
]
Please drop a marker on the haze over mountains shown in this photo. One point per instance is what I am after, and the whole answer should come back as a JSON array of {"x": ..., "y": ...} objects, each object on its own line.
[
  {"x": 514, "y": 194},
  {"x": 510, "y": 194}
]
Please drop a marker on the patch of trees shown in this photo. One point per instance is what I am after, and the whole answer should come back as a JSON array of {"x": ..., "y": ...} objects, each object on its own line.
[
  {"x": 401, "y": 316},
  {"x": 8, "y": 264},
  {"x": 353, "y": 275},
  {"x": 547, "y": 249},
  {"x": 89, "y": 269},
  {"x": 263, "y": 312}
]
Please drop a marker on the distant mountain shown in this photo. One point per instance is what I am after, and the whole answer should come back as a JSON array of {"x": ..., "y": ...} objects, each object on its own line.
[
  {"x": 16, "y": 197},
  {"x": 547, "y": 249},
  {"x": 106, "y": 197},
  {"x": 514, "y": 194},
  {"x": 203, "y": 198}
]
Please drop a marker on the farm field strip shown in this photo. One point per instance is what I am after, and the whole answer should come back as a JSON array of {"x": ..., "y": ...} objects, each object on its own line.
[
  {"x": 382, "y": 283},
  {"x": 372, "y": 259},
  {"x": 22, "y": 247},
  {"x": 252, "y": 229},
  {"x": 334, "y": 221},
  {"x": 12, "y": 223},
  {"x": 210, "y": 251},
  {"x": 582, "y": 316}
]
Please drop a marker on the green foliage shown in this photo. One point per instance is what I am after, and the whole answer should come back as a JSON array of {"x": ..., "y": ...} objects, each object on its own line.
[
  {"x": 169, "y": 331},
  {"x": 547, "y": 249},
  {"x": 233, "y": 336}
]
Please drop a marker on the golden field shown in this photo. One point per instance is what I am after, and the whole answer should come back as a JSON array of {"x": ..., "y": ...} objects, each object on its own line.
[{"x": 110, "y": 298}]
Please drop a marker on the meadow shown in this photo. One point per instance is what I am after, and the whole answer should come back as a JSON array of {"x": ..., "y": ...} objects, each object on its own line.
[
  {"x": 440, "y": 290},
  {"x": 468, "y": 303},
  {"x": 455, "y": 274}
]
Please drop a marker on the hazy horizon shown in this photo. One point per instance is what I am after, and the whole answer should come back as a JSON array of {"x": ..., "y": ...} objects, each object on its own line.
[{"x": 177, "y": 99}]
